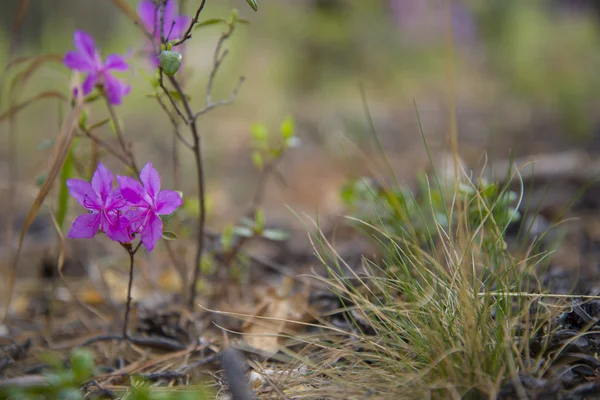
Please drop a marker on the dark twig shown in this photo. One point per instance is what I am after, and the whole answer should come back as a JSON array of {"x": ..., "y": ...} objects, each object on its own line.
[
  {"x": 190, "y": 118},
  {"x": 102, "y": 392},
  {"x": 155, "y": 342},
  {"x": 188, "y": 32},
  {"x": 203, "y": 361},
  {"x": 131, "y": 252},
  {"x": 174, "y": 123},
  {"x": 171, "y": 99},
  {"x": 168, "y": 375}
]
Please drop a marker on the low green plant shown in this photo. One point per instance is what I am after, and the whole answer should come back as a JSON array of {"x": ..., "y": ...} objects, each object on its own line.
[
  {"x": 60, "y": 382},
  {"x": 65, "y": 381}
]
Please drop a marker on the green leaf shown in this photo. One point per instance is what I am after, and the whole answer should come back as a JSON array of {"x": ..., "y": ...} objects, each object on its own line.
[
  {"x": 192, "y": 206},
  {"x": 259, "y": 133},
  {"x": 167, "y": 235},
  {"x": 167, "y": 217},
  {"x": 152, "y": 80},
  {"x": 93, "y": 97},
  {"x": 277, "y": 235},
  {"x": 82, "y": 364},
  {"x": 253, "y": 4},
  {"x": 227, "y": 237},
  {"x": 243, "y": 231},
  {"x": 209, "y": 22},
  {"x": 67, "y": 172},
  {"x": 175, "y": 95},
  {"x": 242, "y": 21},
  {"x": 259, "y": 219},
  {"x": 287, "y": 129},
  {"x": 257, "y": 160},
  {"x": 83, "y": 119}
]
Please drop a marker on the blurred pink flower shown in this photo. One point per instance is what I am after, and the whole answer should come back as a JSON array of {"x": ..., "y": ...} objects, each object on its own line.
[
  {"x": 174, "y": 25},
  {"x": 86, "y": 58}
]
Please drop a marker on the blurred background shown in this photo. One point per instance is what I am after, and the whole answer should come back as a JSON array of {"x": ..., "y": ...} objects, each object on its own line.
[{"x": 525, "y": 73}]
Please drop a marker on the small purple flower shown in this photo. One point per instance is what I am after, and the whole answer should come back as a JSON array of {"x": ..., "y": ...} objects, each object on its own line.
[
  {"x": 105, "y": 206},
  {"x": 148, "y": 202},
  {"x": 174, "y": 25},
  {"x": 86, "y": 58}
]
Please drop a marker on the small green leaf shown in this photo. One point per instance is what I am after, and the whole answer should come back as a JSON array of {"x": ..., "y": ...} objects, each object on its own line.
[
  {"x": 83, "y": 119},
  {"x": 287, "y": 129},
  {"x": 277, "y": 235},
  {"x": 243, "y": 21},
  {"x": 92, "y": 97},
  {"x": 259, "y": 132},
  {"x": 257, "y": 160},
  {"x": 67, "y": 171},
  {"x": 46, "y": 144},
  {"x": 243, "y": 231},
  {"x": 253, "y": 4},
  {"x": 227, "y": 237},
  {"x": 170, "y": 61},
  {"x": 82, "y": 364},
  {"x": 209, "y": 22},
  {"x": 167, "y": 217},
  {"x": 152, "y": 80},
  {"x": 175, "y": 95},
  {"x": 167, "y": 235},
  {"x": 235, "y": 14},
  {"x": 259, "y": 220}
]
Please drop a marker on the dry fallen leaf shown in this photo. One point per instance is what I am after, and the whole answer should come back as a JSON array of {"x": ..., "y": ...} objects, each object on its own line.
[{"x": 280, "y": 313}]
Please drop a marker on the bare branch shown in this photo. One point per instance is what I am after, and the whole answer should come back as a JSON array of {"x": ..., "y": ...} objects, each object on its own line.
[
  {"x": 174, "y": 123},
  {"x": 171, "y": 99},
  {"x": 188, "y": 32},
  {"x": 220, "y": 103}
]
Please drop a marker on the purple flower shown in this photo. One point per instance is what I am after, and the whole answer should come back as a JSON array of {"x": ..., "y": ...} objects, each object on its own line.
[
  {"x": 174, "y": 25},
  {"x": 105, "y": 206},
  {"x": 86, "y": 58},
  {"x": 148, "y": 202}
]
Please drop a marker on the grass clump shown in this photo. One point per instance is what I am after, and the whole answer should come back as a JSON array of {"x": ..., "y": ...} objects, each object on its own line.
[{"x": 447, "y": 311}]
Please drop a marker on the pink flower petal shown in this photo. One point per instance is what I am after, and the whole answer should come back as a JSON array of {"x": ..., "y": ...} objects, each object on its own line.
[
  {"x": 84, "y": 44},
  {"x": 89, "y": 83},
  {"x": 181, "y": 24},
  {"x": 116, "y": 228},
  {"x": 115, "y": 89},
  {"x": 170, "y": 13},
  {"x": 102, "y": 182},
  {"x": 167, "y": 201},
  {"x": 151, "y": 181},
  {"x": 78, "y": 62},
  {"x": 83, "y": 192},
  {"x": 146, "y": 10},
  {"x": 85, "y": 226},
  {"x": 132, "y": 190},
  {"x": 115, "y": 201},
  {"x": 152, "y": 232},
  {"x": 115, "y": 62}
]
